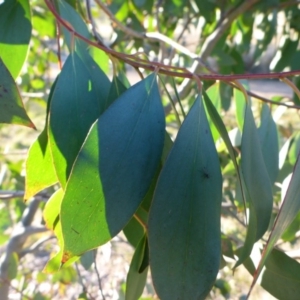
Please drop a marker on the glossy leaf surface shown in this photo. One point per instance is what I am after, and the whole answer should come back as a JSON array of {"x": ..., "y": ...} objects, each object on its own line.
[
  {"x": 114, "y": 169},
  {"x": 11, "y": 107},
  {"x": 15, "y": 34},
  {"x": 184, "y": 220}
]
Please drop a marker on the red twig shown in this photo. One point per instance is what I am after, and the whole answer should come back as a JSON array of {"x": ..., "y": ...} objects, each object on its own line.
[{"x": 166, "y": 69}]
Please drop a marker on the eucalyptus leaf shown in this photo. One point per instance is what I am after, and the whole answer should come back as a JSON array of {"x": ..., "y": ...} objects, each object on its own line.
[
  {"x": 257, "y": 184},
  {"x": 15, "y": 34},
  {"x": 268, "y": 137},
  {"x": 40, "y": 171},
  {"x": 184, "y": 220},
  {"x": 114, "y": 169},
  {"x": 11, "y": 107},
  {"x": 288, "y": 211},
  {"x": 136, "y": 280},
  {"x": 75, "y": 105}
]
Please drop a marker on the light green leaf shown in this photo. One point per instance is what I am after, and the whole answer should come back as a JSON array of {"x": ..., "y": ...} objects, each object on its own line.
[
  {"x": 294, "y": 149},
  {"x": 184, "y": 219},
  {"x": 40, "y": 172},
  {"x": 214, "y": 96},
  {"x": 12, "y": 268},
  {"x": 101, "y": 58},
  {"x": 15, "y": 33},
  {"x": 215, "y": 117},
  {"x": 11, "y": 107},
  {"x": 257, "y": 183},
  {"x": 240, "y": 104},
  {"x": 136, "y": 280},
  {"x": 52, "y": 220},
  {"x": 114, "y": 169}
]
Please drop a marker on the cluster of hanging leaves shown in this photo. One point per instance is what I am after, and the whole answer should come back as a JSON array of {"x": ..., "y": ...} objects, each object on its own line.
[{"x": 106, "y": 150}]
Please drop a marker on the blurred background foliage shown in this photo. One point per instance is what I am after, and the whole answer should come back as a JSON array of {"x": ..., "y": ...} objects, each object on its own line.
[{"x": 230, "y": 37}]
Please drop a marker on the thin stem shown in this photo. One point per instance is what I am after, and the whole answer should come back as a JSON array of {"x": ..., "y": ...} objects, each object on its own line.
[
  {"x": 140, "y": 221},
  {"x": 58, "y": 33},
  {"x": 92, "y": 22},
  {"x": 172, "y": 70},
  {"x": 211, "y": 42},
  {"x": 292, "y": 86},
  {"x": 171, "y": 101},
  {"x": 178, "y": 98}
]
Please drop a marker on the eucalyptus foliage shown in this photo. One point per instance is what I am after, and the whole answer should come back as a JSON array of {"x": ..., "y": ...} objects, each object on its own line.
[{"x": 162, "y": 162}]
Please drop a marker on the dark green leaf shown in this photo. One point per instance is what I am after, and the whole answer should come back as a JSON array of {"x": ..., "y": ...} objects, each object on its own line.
[
  {"x": 184, "y": 220},
  {"x": 257, "y": 183},
  {"x": 114, "y": 169},
  {"x": 117, "y": 88},
  {"x": 207, "y": 9},
  {"x": 287, "y": 213},
  {"x": 15, "y": 33},
  {"x": 281, "y": 276},
  {"x": 268, "y": 137},
  {"x": 287, "y": 53},
  {"x": 225, "y": 95},
  {"x": 134, "y": 231},
  {"x": 87, "y": 259},
  {"x": 84, "y": 51},
  {"x": 76, "y": 103},
  {"x": 11, "y": 107},
  {"x": 69, "y": 14}
]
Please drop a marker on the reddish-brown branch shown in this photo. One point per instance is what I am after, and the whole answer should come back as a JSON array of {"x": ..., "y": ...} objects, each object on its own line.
[
  {"x": 165, "y": 69},
  {"x": 173, "y": 71}
]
